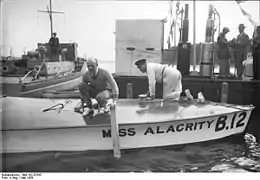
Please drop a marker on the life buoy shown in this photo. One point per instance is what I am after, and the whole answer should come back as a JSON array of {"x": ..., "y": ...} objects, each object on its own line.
[{"x": 5, "y": 68}]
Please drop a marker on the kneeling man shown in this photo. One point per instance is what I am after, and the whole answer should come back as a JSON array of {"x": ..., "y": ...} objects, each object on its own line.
[
  {"x": 169, "y": 77},
  {"x": 97, "y": 83}
]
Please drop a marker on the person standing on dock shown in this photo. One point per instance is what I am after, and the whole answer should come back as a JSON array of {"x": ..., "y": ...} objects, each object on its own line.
[
  {"x": 54, "y": 43},
  {"x": 167, "y": 75},
  {"x": 97, "y": 83},
  {"x": 223, "y": 53},
  {"x": 240, "y": 45},
  {"x": 256, "y": 54}
]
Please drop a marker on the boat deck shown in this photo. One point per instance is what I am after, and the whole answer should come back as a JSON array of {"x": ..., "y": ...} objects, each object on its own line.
[{"x": 26, "y": 113}]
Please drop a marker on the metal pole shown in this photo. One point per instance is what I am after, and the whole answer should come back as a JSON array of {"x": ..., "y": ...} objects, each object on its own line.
[
  {"x": 194, "y": 35},
  {"x": 175, "y": 27},
  {"x": 1, "y": 26},
  {"x": 50, "y": 14},
  {"x": 213, "y": 41},
  {"x": 175, "y": 40},
  {"x": 181, "y": 29}
]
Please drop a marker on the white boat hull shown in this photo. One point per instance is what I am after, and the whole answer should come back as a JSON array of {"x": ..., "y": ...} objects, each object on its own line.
[{"x": 67, "y": 131}]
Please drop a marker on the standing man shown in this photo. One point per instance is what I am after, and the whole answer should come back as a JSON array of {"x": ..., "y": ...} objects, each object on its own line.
[
  {"x": 256, "y": 54},
  {"x": 168, "y": 76},
  {"x": 241, "y": 46},
  {"x": 54, "y": 43},
  {"x": 223, "y": 53},
  {"x": 97, "y": 83}
]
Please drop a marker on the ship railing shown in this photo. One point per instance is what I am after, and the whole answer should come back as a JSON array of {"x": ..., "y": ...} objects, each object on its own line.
[
  {"x": 36, "y": 69},
  {"x": 39, "y": 70},
  {"x": 26, "y": 75},
  {"x": 64, "y": 72}
]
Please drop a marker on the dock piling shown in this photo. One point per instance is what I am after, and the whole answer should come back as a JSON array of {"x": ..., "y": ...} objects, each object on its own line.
[
  {"x": 224, "y": 92},
  {"x": 129, "y": 91}
]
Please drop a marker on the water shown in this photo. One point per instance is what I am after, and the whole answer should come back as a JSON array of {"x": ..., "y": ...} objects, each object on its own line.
[{"x": 230, "y": 154}]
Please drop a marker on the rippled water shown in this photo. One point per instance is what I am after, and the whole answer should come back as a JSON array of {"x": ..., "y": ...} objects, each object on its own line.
[{"x": 226, "y": 155}]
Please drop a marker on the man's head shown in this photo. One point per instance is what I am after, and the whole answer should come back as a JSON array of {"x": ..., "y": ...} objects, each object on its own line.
[
  {"x": 141, "y": 65},
  {"x": 92, "y": 64},
  {"x": 54, "y": 34},
  {"x": 225, "y": 30},
  {"x": 241, "y": 28}
]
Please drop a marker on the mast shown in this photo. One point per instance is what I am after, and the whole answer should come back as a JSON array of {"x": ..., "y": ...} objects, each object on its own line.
[
  {"x": 194, "y": 35},
  {"x": 50, "y": 12}
]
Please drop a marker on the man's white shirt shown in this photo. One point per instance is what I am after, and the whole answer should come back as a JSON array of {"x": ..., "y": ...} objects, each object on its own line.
[{"x": 154, "y": 73}]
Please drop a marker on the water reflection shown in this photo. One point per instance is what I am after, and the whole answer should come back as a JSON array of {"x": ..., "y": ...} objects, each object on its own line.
[{"x": 226, "y": 155}]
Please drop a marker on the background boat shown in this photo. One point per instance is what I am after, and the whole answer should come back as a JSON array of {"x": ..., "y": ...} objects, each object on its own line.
[{"x": 43, "y": 69}]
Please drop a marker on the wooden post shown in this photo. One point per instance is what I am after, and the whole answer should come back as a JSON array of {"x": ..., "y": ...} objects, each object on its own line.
[
  {"x": 129, "y": 91},
  {"x": 114, "y": 132},
  {"x": 224, "y": 92}
]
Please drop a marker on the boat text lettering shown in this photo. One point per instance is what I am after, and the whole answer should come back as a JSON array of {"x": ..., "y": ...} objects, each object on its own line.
[
  {"x": 178, "y": 128},
  {"x": 122, "y": 132},
  {"x": 236, "y": 121},
  {"x": 222, "y": 123}
]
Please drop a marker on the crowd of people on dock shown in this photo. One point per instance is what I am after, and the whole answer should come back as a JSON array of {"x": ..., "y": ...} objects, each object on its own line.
[{"x": 239, "y": 49}]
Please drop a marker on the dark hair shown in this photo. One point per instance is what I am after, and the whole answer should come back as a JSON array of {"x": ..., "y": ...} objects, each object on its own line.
[{"x": 140, "y": 62}]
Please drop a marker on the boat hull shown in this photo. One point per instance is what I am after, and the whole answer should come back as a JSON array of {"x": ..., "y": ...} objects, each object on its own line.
[
  {"x": 146, "y": 130},
  {"x": 130, "y": 136},
  {"x": 38, "y": 88}
]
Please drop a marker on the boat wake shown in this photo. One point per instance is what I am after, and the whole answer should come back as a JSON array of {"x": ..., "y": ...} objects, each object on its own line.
[{"x": 248, "y": 162}]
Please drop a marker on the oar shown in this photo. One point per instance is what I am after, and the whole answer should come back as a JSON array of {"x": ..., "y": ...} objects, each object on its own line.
[{"x": 114, "y": 131}]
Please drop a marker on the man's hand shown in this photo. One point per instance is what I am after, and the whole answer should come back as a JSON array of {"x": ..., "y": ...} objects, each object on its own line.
[{"x": 115, "y": 98}]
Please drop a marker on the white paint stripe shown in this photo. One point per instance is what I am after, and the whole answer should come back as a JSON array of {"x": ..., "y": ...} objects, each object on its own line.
[{"x": 51, "y": 86}]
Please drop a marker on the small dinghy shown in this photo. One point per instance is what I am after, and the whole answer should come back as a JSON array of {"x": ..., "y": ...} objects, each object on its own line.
[{"x": 36, "y": 125}]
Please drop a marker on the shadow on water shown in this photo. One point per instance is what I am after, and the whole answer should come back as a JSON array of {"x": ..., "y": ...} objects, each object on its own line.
[{"x": 228, "y": 154}]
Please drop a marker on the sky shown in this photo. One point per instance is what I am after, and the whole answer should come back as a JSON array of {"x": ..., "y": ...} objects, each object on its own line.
[{"x": 91, "y": 24}]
